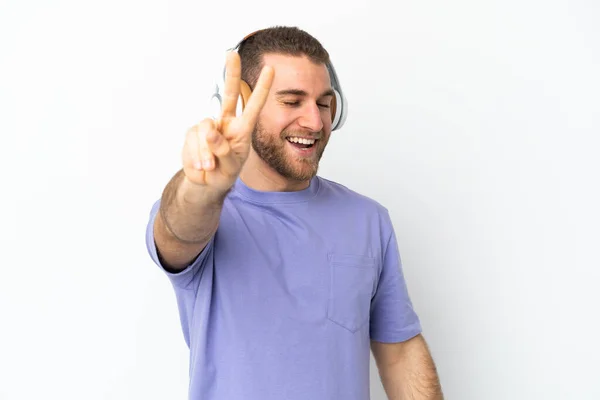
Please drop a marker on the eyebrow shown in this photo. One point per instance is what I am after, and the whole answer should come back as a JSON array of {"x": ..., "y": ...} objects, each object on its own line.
[{"x": 299, "y": 92}]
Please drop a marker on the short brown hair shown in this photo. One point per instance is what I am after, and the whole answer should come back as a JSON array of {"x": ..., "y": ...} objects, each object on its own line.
[{"x": 284, "y": 40}]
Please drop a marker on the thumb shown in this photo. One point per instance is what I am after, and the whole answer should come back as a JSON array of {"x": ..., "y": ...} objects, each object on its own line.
[{"x": 227, "y": 161}]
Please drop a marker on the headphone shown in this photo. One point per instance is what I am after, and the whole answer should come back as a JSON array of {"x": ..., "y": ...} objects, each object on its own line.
[{"x": 339, "y": 104}]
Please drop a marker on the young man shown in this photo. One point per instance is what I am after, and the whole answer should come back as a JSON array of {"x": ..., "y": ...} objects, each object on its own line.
[{"x": 284, "y": 280}]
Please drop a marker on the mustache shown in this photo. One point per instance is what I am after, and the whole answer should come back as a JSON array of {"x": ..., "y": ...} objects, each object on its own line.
[{"x": 303, "y": 134}]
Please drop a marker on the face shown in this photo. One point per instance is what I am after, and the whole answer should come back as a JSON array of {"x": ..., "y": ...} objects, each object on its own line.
[{"x": 295, "y": 123}]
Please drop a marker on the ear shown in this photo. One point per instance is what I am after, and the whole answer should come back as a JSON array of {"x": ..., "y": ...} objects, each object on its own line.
[{"x": 245, "y": 93}]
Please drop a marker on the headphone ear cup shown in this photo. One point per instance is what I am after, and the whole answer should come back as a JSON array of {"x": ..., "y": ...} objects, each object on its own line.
[
  {"x": 337, "y": 106},
  {"x": 334, "y": 108}
]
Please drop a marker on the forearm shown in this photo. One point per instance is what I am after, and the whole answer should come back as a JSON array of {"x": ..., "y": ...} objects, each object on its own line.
[
  {"x": 407, "y": 370},
  {"x": 404, "y": 383},
  {"x": 188, "y": 218}
]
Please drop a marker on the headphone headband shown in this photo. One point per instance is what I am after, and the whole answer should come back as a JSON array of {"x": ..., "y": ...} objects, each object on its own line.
[{"x": 339, "y": 106}]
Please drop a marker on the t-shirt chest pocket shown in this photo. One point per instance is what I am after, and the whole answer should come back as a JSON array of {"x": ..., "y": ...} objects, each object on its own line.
[{"x": 352, "y": 284}]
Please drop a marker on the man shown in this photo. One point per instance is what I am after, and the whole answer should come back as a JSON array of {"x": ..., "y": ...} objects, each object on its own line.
[{"x": 284, "y": 280}]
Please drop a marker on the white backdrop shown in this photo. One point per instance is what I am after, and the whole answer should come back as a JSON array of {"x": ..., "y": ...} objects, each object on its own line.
[{"x": 475, "y": 123}]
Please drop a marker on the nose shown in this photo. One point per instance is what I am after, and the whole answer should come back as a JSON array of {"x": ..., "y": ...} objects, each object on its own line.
[{"x": 311, "y": 118}]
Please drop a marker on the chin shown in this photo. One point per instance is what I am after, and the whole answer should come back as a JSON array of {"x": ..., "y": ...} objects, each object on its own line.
[
  {"x": 300, "y": 169},
  {"x": 305, "y": 174}
]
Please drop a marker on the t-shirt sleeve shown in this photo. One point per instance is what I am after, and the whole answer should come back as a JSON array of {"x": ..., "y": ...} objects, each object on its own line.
[
  {"x": 187, "y": 278},
  {"x": 393, "y": 318}
]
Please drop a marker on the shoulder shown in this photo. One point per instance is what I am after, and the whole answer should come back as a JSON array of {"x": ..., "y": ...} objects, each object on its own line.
[{"x": 343, "y": 196}]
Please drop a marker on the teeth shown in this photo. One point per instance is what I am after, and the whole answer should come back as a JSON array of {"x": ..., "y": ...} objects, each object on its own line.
[{"x": 301, "y": 140}]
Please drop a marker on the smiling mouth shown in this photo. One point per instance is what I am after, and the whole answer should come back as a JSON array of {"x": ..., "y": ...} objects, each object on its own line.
[{"x": 301, "y": 143}]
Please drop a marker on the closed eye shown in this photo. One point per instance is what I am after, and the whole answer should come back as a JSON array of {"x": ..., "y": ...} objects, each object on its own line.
[{"x": 297, "y": 103}]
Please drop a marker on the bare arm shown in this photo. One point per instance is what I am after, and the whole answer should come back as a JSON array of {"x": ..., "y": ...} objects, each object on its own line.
[
  {"x": 213, "y": 155},
  {"x": 187, "y": 220},
  {"x": 407, "y": 370}
]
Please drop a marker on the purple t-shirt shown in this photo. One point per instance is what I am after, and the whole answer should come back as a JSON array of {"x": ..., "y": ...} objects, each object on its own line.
[{"x": 284, "y": 300}]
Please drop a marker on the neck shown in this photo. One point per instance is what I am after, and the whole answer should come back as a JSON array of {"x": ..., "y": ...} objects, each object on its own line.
[{"x": 258, "y": 175}]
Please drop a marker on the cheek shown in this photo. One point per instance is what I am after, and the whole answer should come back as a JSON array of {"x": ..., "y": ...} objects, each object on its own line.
[
  {"x": 326, "y": 117},
  {"x": 273, "y": 119}
]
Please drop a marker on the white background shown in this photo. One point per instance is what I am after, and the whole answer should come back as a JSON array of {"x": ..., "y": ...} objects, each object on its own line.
[{"x": 475, "y": 123}]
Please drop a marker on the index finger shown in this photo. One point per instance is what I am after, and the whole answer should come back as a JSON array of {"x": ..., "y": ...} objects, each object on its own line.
[
  {"x": 233, "y": 77},
  {"x": 258, "y": 97}
]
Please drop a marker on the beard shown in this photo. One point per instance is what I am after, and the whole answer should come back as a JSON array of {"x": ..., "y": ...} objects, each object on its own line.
[{"x": 271, "y": 149}]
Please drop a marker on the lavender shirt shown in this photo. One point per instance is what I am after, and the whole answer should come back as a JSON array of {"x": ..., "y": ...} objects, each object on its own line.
[{"x": 284, "y": 300}]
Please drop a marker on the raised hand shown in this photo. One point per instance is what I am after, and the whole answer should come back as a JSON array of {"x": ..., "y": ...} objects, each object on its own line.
[{"x": 215, "y": 150}]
